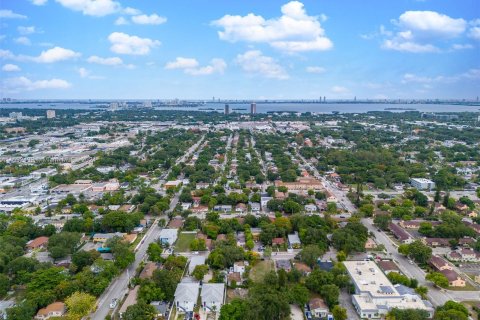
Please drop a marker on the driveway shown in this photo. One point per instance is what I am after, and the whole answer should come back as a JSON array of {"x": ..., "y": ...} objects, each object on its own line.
[
  {"x": 345, "y": 300},
  {"x": 295, "y": 312}
]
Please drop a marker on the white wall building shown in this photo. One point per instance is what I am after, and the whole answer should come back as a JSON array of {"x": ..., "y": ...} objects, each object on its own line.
[{"x": 422, "y": 183}]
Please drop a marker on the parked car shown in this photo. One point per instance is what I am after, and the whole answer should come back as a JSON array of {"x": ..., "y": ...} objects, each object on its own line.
[{"x": 113, "y": 304}]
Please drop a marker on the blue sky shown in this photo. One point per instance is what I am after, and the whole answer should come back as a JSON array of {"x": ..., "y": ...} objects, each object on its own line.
[{"x": 239, "y": 49}]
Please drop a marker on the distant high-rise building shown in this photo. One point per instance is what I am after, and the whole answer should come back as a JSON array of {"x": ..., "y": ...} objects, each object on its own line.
[
  {"x": 253, "y": 108},
  {"x": 227, "y": 109},
  {"x": 50, "y": 114},
  {"x": 15, "y": 115},
  {"x": 147, "y": 104},
  {"x": 324, "y": 99},
  {"x": 113, "y": 106}
]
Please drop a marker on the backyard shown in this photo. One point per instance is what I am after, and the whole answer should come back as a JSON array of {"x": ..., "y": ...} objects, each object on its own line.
[
  {"x": 184, "y": 240},
  {"x": 259, "y": 271}
]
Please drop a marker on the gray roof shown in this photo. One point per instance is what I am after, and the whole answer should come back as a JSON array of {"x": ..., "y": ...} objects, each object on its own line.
[
  {"x": 213, "y": 292},
  {"x": 187, "y": 291},
  {"x": 293, "y": 238}
]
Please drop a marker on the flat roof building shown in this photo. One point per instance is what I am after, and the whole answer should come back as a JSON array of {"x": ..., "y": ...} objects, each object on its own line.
[
  {"x": 422, "y": 183},
  {"x": 375, "y": 295}
]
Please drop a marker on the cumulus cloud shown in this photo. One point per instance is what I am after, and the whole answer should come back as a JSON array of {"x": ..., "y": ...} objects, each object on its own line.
[
  {"x": 10, "y": 67},
  {"x": 131, "y": 11},
  {"x": 96, "y": 8},
  {"x": 39, "y": 2},
  {"x": 254, "y": 62},
  {"x": 182, "y": 63},
  {"x": 56, "y": 54},
  {"x": 25, "y": 84},
  {"x": 26, "y": 30},
  {"x": 83, "y": 72},
  {"x": 153, "y": 19},
  {"x": 474, "y": 31},
  {"x": 23, "y": 40},
  {"x": 191, "y": 66},
  {"x": 294, "y": 31},
  {"x": 423, "y": 31},
  {"x": 315, "y": 69},
  {"x": 123, "y": 43},
  {"x": 458, "y": 46},
  {"x": 112, "y": 61},
  {"x": 121, "y": 21},
  {"x": 9, "y": 14}
]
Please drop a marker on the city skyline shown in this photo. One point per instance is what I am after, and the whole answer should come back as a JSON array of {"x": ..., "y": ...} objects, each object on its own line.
[{"x": 274, "y": 50}]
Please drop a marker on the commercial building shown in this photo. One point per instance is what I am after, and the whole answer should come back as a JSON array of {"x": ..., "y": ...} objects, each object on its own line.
[
  {"x": 227, "y": 109},
  {"x": 253, "y": 108},
  {"x": 375, "y": 295},
  {"x": 50, "y": 114},
  {"x": 422, "y": 183}
]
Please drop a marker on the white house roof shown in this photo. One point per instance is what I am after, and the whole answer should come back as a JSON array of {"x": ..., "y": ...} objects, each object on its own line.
[
  {"x": 213, "y": 292},
  {"x": 187, "y": 291},
  {"x": 168, "y": 233},
  {"x": 293, "y": 238}
]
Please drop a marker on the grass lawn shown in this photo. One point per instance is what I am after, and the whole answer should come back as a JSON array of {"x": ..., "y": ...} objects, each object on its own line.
[
  {"x": 468, "y": 287},
  {"x": 183, "y": 241},
  {"x": 259, "y": 271}
]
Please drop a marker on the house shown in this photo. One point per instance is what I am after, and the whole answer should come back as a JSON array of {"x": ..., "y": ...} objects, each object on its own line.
[
  {"x": 278, "y": 241},
  {"x": 402, "y": 235},
  {"x": 172, "y": 184},
  {"x": 370, "y": 244},
  {"x": 128, "y": 208},
  {"x": 56, "y": 309},
  {"x": 439, "y": 264},
  {"x": 240, "y": 238},
  {"x": 103, "y": 237},
  {"x": 186, "y": 205},
  {"x": 466, "y": 242},
  {"x": 234, "y": 277},
  {"x": 130, "y": 238},
  {"x": 283, "y": 264},
  {"x": 37, "y": 243},
  {"x": 454, "y": 280},
  {"x": 264, "y": 202},
  {"x": 255, "y": 206},
  {"x": 221, "y": 237},
  {"x": 223, "y": 208},
  {"x": 294, "y": 240},
  {"x": 241, "y": 208},
  {"x": 302, "y": 184},
  {"x": 168, "y": 236},
  {"x": 436, "y": 242},
  {"x": 464, "y": 254},
  {"x": 162, "y": 309},
  {"x": 318, "y": 308},
  {"x": 310, "y": 208},
  {"x": 202, "y": 185},
  {"x": 325, "y": 265},
  {"x": 239, "y": 266},
  {"x": 213, "y": 296},
  {"x": 388, "y": 266},
  {"x": 186, "y": 296},
  {"x": 303, "y": 268}
]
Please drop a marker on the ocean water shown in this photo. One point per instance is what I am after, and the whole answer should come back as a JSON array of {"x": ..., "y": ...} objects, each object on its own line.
[{"x": 271, "y": 107}]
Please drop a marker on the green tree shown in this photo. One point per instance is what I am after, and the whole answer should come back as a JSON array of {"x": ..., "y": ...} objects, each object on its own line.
[
  {"x": 149, "y": 292},
  {"x": 298, "y": 294},
  {"x": 140, "y": 311},
  {"x": 439, "y": 279},
  {"x": 200, "y": 271},
  {"x": 339, "y": 313},
  {"x": 419, "y": 252},
  {"x": 330, "y": 293},
  {"x": 62, "y": 244},
  {"x": 310, "y": 254},
  {"x": 407, "y": 314},
  {"x": 422, "y": 291},
  {"x": 79, "y": 304},
  {"x": 382, "y": 221},
  {"x": 4, "y": 285},
  {"x": 121, "y": 252},
  {"x": 235, "y": 310}
]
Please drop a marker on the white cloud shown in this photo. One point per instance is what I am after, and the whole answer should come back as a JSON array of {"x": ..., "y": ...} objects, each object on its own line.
[
  {"x": 457, "y": 46},
  {"x": 83, "y": 72},
  {"x": 23, "y": 40},
  {"x": 191, "y": 66},
  {"x": 423, "y": 31},
  {"x": 315, "y": 69},
  {"x": 131, "y": 11},
  {"x": 39, "y": 2},
  {"x": 474, "y": 31},
  {"x": 113, "y": 61},
  {"x": 56, "y": 54},
  {"x": 25, "y": 84},
  {"x": 121, "y": 21},
  {"x": 26, "y": 30},
  {"x": 294, "y": 31},
  {"x": 182, "y": 63},
  {"x": 6, "y": 54},
  {"x": 154, "y": 19},
  {"x": 471, "y": 74},
  {"x": 339, "y": 90},
  {"x": 97, "y": 8},
  {"x": 9, "y": 14},
  {"x": 255, "y": 62},
  {"x": 123, "y": 43},
  {"x": 10, "y": 67}
]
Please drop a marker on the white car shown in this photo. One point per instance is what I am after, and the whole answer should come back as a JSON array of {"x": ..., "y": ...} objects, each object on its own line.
[{"x": 113, "y": 304}]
